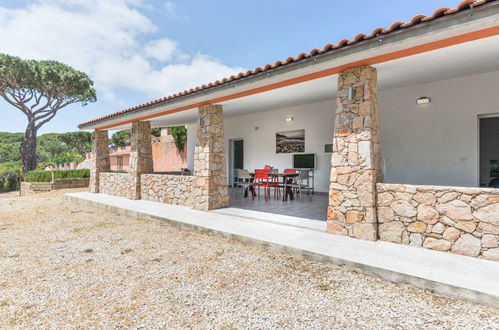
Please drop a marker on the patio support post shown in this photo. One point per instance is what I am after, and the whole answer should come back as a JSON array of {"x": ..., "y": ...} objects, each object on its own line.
[
  {"x": 356, "y": 156},
  {"x": 140, "y": 156},
  {"x": 211, "y": 190},
  {"x": 99, "y": 162}
]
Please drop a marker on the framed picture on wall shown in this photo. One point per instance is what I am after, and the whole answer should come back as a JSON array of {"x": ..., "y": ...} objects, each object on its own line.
[
  {"x": 494, "y": 168},
  {"x": 290, "y": 141}
]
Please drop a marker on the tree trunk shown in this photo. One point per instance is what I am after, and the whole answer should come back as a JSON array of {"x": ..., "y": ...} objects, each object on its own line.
[{"x": 28, "y": 148}]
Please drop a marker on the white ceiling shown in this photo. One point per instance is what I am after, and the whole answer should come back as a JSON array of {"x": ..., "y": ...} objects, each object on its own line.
[
  {"x": 456, "y": 61},
  {"x": 466, "y": 59}
]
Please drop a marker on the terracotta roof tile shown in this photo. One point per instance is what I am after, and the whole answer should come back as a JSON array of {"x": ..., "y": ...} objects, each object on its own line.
[{"x": 418, "y": 19}]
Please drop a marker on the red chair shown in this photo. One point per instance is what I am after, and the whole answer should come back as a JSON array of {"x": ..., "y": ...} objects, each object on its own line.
[
  {"x": 262, "y": 180},
  {"x": 287, "y": 171}
]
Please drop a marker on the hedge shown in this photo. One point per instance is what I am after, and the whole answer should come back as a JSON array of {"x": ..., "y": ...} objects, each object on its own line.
[
  {"x": 9, "y": 180},
  {"x": 46, "y": 176}
]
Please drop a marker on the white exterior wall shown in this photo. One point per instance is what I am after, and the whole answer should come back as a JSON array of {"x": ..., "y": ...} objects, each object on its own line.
[
  {"x": 191, "y": 144},
  {"x": 259, "y": 145},
  {"x": 436, "y": 143}
]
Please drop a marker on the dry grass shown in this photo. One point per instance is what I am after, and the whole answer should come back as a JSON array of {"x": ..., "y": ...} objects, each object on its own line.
[{"x": 67, "y": 266}]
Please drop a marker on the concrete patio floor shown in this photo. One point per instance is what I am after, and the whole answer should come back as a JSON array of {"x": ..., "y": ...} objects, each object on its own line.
[
  {"x": 308, "y": 207},
  {"x": 448, "y": 274}
]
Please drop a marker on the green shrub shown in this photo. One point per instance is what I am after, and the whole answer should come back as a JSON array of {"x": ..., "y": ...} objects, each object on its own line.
[
  {"x": 38, "y": 176},
  {"x": 179, "y": 134},
  {"x": 66, "y": 174},
  {"x": 9, "y": 177},
  {"x": 11, "y": 181},
  {"x": 46, "y": 176}
]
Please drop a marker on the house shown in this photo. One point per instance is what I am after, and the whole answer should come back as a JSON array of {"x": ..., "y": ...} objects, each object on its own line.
[
  {"x": 119, "y": 158},
  {"x": 166, "y": 157},
  {"x": 411, "y": 112}
]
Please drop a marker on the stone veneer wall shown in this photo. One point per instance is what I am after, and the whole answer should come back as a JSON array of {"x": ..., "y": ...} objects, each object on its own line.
[
  {"x": 170, "y": 189},
  {"x": 356, "y": 156},
  {"x": 140, "y": 156},
  {"x": 206, "y": 190},
  {"x": 211, "y": 190},
  {"x": 460, "y": 220},
  {"x": 71, "y": 183},
  {"x": 29, "y": 188},
  {"x": 100, "y": 158},
  {"x": 116, "y": 184}
]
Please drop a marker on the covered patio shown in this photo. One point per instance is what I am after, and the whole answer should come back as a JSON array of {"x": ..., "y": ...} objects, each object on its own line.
[{"x": 387, "y": 117}]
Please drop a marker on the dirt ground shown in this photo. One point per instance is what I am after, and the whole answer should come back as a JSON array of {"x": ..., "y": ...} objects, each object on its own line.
[{"x": 66, "y": 266}]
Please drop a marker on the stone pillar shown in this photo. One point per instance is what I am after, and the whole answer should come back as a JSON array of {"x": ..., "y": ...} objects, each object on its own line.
[
  {"x": 211, "y": 190},
  {"x": 99, "y": 161},
  {"x": 356, "y": 159},
  {"x": 140, "y": 156}
]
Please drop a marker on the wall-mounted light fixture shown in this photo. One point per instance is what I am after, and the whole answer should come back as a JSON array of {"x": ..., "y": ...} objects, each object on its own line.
[
  {"x": 351, "y": 93},
  {"x": 289, "y": 119},
  {"x": 423, "y": 100}
]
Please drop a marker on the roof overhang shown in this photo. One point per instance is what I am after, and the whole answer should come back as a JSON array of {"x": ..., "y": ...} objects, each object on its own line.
[{"x": 461, "y": 27}]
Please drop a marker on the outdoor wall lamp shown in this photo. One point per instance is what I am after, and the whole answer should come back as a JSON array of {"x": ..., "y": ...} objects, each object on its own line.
[
  {"x": 289, "y": 119},
  {"x": 423, "y": 100},
  {"x": 351, "y": 93}
]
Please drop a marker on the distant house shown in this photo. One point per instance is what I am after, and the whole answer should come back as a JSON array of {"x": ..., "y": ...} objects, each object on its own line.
[
  {"x": 166, "y": 157},
  {"x": 119, "y": 158}
]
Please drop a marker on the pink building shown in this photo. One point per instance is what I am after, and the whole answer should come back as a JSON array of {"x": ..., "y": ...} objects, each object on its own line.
[
  {"x": 119, "y": 158},
  {"x": 165, "y": 155},
  {"x": 166, "y": 158}
]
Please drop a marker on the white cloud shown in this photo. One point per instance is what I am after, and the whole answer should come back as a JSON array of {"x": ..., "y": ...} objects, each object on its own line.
[
  {"x": 161, "y": 50},
  {"x": 108, "y": 39},
  {"x": 171, "y": 8}
]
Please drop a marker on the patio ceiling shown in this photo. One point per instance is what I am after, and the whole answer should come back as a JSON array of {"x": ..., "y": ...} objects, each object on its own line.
[{"x": 469, "y": 58}]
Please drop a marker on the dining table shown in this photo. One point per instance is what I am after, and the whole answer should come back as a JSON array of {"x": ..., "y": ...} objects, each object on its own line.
[{"x": 287, "y": 178}]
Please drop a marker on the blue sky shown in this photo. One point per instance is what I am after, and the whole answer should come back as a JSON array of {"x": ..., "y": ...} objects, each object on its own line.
[{"x": 139, "y": 50}]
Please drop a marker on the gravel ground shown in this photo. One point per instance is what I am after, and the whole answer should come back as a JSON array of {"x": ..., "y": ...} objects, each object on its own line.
[{"x": 68, "y": 266}]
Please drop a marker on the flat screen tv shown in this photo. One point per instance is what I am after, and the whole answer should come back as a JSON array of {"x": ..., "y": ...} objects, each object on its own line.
[{"x": 304, "y": 161}]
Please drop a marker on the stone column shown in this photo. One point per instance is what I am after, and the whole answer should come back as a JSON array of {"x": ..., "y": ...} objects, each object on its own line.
[
  {"x": 356, "y": 156},
  {"x": 211, "y": 190},
  {"x": 140, "y": 156},
  {"x": 99, "y": 161}
]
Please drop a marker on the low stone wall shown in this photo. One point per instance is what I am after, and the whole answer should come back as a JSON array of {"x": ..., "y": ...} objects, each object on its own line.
[
  {"x": 170, "y": 189},
  {"x": 30, "y": 188},
  {"x": 71, "y": 183},
  {"x": 116, "y": 184},
  {"x": 460, "y": 220}
]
